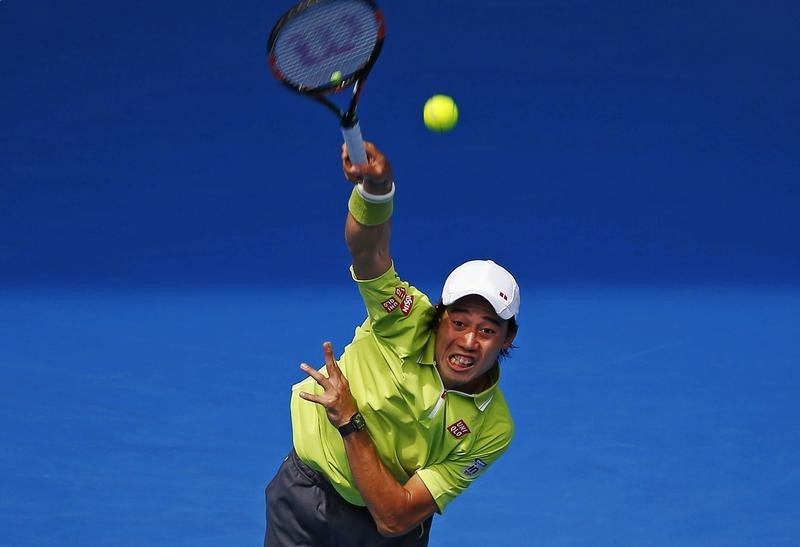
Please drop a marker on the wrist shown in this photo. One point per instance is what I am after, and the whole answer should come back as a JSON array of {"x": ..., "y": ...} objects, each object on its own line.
[
  {"x": 371, "y": 209},
  {"x": 376, "y": 192},
  {"x": 355, "y": 424}
]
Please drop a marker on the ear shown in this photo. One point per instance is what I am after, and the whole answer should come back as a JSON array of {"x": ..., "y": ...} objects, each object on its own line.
[
  {"x": 510, "y": 335},
  {"x": 439, "y": 310}
]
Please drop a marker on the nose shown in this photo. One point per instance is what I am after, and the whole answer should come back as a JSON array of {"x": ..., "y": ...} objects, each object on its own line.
[{"x": 470, "y": 340}]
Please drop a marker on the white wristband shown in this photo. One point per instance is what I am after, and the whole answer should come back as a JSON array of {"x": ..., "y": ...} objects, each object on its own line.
[{"x": 375, "y": 198}]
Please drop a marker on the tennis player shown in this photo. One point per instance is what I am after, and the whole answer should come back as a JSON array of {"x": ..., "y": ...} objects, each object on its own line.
[{"x": 411, "y": 414}]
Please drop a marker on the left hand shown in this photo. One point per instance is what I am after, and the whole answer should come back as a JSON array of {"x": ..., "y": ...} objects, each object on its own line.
[{"x": 336, "y": 398}]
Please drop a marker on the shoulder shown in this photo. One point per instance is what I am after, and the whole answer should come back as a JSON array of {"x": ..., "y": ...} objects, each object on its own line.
[
  {"x": 498, "y": 424},
  {"x": 399, "y": 314},
  {"x": 389, "y": 295}
]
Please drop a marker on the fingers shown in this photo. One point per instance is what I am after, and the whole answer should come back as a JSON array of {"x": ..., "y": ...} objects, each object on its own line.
[
  {"x": 332, "y": 385},
  {"x": 335, "y": 375},
  {"x": 330, "y": 361},
  {"x": 346, "y": 163},
  {"x": 320, "y": 378},
  {"x": 377, "y": 167},
  {"x": 335, "y": 397},
  {"x": 352, "y": 172},
  {"x": 311, "y": 397}
]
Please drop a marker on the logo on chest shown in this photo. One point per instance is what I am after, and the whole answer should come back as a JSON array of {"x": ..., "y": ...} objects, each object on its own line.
[{"x": 458, "y": 429}]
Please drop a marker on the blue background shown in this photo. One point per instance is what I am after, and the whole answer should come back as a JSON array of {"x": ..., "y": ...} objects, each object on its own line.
[
  {"x": 171, "y": 247},
  {"x": 614, "y": 142}
]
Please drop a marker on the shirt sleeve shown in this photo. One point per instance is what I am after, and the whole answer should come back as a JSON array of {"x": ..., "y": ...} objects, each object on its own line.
[
  {"x": 398, "y": 313},
  {"x": 450, "y": 478}
]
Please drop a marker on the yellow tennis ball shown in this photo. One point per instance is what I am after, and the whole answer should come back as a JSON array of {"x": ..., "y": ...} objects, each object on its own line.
[{"x": 440, "y": 113}]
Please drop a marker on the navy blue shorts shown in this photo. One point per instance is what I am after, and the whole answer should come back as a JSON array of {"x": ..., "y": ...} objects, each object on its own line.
[{"x": 304, "y": 510}]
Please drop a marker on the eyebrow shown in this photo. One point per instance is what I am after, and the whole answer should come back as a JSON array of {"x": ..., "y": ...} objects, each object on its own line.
[{"x": 489, "y": 318}]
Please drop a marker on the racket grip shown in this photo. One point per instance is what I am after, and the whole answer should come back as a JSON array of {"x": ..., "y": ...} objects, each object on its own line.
[{"x": 355, "y": 144}]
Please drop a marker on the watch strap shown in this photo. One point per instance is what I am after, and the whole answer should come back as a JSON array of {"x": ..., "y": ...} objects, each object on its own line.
[{"x": 356, "y": 423}]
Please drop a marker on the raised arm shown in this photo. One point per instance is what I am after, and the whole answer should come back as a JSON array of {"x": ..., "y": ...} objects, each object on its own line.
[{"x": 368, "y": 226}]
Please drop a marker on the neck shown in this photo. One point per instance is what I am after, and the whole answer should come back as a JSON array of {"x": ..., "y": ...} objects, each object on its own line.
[
  {"x": 478, "y": 385},
  {"x": 485, "y": 382}
]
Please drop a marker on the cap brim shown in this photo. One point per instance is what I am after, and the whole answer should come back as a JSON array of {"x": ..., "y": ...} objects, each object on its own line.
[{"x": 504, "y": 313}]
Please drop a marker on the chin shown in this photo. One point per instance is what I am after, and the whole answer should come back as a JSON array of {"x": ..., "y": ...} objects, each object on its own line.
[{"x": 456, "y": 381}]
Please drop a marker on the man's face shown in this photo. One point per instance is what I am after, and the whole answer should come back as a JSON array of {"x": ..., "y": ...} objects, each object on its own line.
[{"x": 468, "y": 340}]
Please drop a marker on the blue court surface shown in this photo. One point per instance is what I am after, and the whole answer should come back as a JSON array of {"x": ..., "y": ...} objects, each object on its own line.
[
  {"x": 171, "y": 249},
  {"x": 643, "y": 417}
]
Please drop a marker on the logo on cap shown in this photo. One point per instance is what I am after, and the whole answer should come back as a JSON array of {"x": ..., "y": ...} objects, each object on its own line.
[{"x": 483, "y": 278}]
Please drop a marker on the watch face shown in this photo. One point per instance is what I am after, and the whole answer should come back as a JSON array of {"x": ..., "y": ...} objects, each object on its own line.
[{"x": 358, "y": 422}]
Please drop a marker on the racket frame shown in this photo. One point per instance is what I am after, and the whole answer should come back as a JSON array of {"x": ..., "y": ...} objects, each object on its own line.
[{"x": 348, "y": 118}]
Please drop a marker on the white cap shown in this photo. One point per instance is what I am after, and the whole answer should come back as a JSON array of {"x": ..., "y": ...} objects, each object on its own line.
[{"x": 486, "y": 279}]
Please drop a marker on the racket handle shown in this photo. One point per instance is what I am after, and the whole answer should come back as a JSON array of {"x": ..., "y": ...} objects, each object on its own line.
[{"x": 355, "y": 144}]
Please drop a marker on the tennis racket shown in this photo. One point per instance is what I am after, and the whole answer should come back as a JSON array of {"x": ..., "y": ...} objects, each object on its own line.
[{"x": 321, "y": 47}]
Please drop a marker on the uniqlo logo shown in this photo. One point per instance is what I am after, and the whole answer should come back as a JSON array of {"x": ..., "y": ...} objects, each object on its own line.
[
  {"x": 390, "y": 305},
  {"x": 400, "y": 292},
  {"x": 458, "y": 429},
  {"x": 408, "y": 303}
]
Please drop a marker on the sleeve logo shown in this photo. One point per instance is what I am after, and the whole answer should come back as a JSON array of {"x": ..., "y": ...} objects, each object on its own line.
[
  {"x": 401, "y": 299},
  {"x": 390, "y": 305},
  {"x": 408, "y": 303},
  {"x": 474, "y": 469}
]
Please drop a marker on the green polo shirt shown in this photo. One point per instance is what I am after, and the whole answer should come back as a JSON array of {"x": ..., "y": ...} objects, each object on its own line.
[{"x": 448, "y": 438}]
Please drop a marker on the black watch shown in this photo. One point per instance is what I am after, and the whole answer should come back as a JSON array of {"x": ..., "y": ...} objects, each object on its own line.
[{"x": 356, "y": 423}]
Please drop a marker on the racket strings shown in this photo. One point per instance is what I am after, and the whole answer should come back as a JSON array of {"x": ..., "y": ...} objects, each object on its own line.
[{"x": 330, "y": 39}]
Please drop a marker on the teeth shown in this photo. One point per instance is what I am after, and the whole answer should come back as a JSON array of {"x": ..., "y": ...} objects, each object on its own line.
[{"x": 461, "y": 361}]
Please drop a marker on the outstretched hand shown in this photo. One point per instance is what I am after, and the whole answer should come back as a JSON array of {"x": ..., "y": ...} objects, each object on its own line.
[
  {"x": 336, "y": 398},
  {"x": 376, "y": 174}
]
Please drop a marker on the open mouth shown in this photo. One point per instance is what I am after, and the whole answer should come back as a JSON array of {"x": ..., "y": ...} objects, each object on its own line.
[{"x": 460, "y": 362}]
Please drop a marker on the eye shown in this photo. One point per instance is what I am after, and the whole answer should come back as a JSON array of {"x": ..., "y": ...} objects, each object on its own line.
[{"x": 488, "y": 331}]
